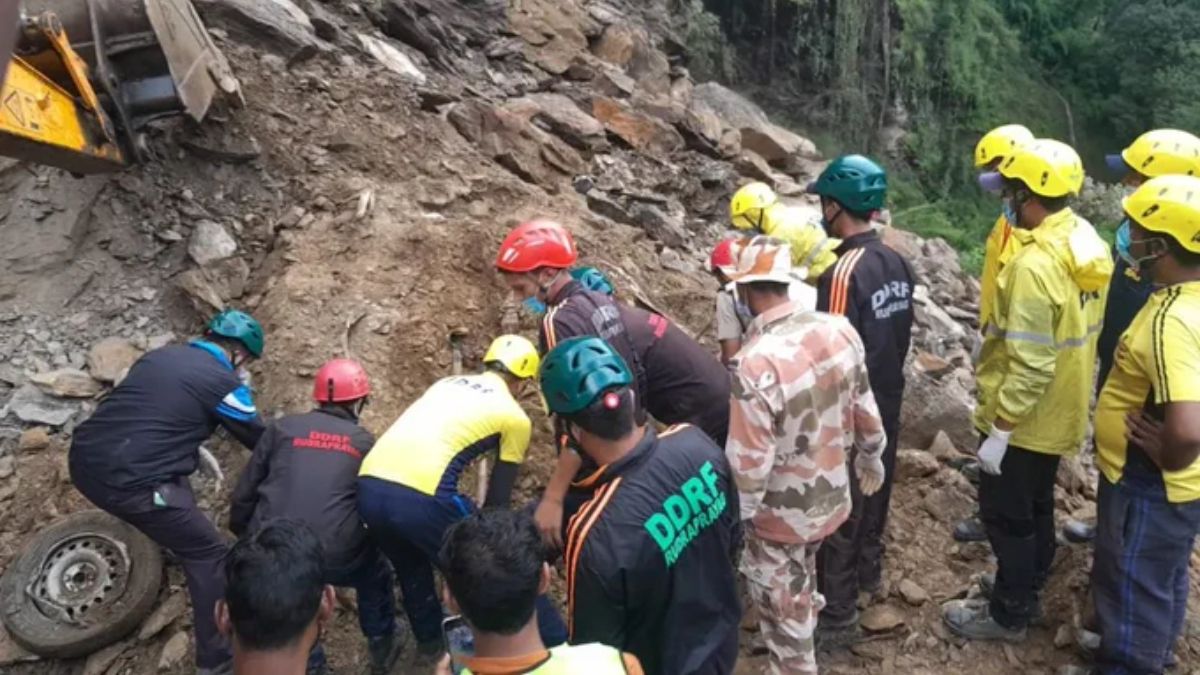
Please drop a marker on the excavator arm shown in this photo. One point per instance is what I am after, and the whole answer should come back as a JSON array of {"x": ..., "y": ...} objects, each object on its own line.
[{"x": 87, "y": 76}]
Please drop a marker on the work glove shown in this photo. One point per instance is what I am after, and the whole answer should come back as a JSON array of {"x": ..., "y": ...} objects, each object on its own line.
[
  {"x": 871, "y": 473},
  {"x": 991, "y": 453},
  {"x": 210, "y": 466}
]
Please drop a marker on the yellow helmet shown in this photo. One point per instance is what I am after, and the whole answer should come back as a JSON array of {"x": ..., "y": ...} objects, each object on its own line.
[
  {"x": 1169, "y": 205},
  {"x": 516, "y": 354},
  {"x": 813, "y": 251},
  {"x": 1161, "y": 152},
  {"x": 746, "y": 207},
  {"x": 1000, "y": 142},
  {"x": 1047, "y": 167}
]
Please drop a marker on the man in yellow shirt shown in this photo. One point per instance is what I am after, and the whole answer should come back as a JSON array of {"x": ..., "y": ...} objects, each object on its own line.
[
  {"x": 408, "y": 484},
  {"x": 1034, "y": 379},
  {"x": 995, "y": 146},
  {"x": 1148, "y": 437},
  {"x": 755, "y": 207}
]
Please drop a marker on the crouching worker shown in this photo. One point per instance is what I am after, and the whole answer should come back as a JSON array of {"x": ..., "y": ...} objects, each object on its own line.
[
  {"x": 305, "y": 468},
  {"x": 495, "y": 571},
  {"x": 650, "y": 557},
  {"x": 276, "y": 602},
  {"x": 408, "y": 485},
  {"x": 133, "y": 456}
]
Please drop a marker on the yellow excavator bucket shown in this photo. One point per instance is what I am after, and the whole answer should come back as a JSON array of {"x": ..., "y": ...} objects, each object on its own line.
[{"x": 88, "y": 75}]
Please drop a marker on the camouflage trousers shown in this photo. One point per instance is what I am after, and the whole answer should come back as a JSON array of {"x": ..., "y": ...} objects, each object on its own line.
[{"x": 782, "y": 581}]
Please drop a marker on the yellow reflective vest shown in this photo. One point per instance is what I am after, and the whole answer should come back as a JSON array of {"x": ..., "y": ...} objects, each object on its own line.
[
  {"x": 1000, "y": 248},
  {"x": 812, "y": 249},
  {"x": 1039, "y": 350},
  {"x": 593, "y": 659}
]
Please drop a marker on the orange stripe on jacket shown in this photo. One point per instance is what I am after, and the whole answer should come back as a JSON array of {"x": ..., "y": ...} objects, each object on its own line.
[
  {"x": 548, "y": 328},
  {"x": 603, "y": 500},
  {"x": 840, "y": 292}
]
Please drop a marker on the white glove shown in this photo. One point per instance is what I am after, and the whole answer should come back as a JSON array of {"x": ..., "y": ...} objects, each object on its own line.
[
  {"x": 210, "y": 466},
  {"x": 870, "y": 472},
  {"x": 991, "y": 453},
  {"x": 244, "y": 376}
]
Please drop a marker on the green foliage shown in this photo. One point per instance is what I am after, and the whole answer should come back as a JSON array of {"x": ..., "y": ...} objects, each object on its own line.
[
  {"x": 1094, "y": 73},
  {"x": 706, "y": 47}
]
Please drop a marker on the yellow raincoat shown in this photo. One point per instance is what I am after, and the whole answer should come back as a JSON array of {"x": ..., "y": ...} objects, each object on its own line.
[
  {"x": 1000, "y": 249},
  {"x": 812, "y": 249},
  {"x": 1039, "y": 352}
]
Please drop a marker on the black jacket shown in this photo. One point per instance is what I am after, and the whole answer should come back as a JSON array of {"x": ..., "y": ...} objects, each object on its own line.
[
  {"x": 678, "y": 381},
  {"x": 305, "y": 468},
  {"x": 650, "y": 559},
  {"x": 147, "y": 431},
  {"x": 872, "y": 286}
]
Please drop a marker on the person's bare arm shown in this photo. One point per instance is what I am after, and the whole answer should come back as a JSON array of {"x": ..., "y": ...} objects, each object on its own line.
[
  {"x": 1174, "y": 443},
  {"x": 549, "y": 512}
]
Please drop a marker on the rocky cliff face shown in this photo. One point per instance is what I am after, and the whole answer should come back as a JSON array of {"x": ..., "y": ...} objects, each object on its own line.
[{"x": 355, "y": 205}]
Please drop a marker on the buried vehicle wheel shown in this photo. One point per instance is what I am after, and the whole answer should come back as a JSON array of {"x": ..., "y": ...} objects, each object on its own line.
[{"x": 81, "y": 584}]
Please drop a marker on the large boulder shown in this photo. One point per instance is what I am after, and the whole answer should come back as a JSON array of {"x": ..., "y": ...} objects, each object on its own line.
[
  {"x": 931, "y": 405},
  {"x": 391, "y": 58},
  {"x": 631, "y": 48},
  {"x": 642, "y": 132},
  {"x": 560, "y": 116},
  {"x": 279, "y": 25},
  {"x": 773, "y": 143},
  {"x": 533, "y": 155},
  {"x": 210, "y": 243},
  {"x": 111, "y": 357}
]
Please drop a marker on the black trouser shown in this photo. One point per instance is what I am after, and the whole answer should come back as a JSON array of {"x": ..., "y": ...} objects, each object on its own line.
[
  {"x": 852, "y": 557},
  {"x": 1017, "y": 508},
  {"x": 168, "y": 514}
]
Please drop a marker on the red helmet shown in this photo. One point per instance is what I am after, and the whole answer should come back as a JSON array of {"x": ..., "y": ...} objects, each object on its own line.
[
  {"x": 724, "y": 256},
  {"x": 537, "y": 243},
  {"x": 340, "y": 380}
]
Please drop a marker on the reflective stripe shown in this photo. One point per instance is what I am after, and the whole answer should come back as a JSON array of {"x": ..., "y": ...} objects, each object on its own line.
[
  {"x": 1039, "y": 339},
  {"x": 548, "y": 327},
  {"x": 814, "y": 251},
  {"x": 842, "y": 274},
  {"x": 238, "y": 404}
]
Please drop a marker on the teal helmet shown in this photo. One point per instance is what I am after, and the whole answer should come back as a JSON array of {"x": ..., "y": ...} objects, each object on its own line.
[
  {"x": 854, "y": 181},
  {"x": 580, "y": 370},
  {"x": 593, "y": 279},
  {"x": 240, "y": 326}
]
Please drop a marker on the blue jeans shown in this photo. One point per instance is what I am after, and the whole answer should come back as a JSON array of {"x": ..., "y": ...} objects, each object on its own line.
[
  {"x": 1140, "y": 574},
  {"x": 408, "y": 526},
  {"x": 372, "y": 581}
]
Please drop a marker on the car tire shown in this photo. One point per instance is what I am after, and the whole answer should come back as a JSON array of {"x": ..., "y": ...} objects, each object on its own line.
[{"x": 80, "y": 584}]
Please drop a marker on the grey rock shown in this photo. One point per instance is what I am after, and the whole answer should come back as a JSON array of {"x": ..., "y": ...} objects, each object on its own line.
[
  {"x": 8, "y": 466},
  {"x": 98, "y": 662},
  {"x": 663, "y": 226},
  {"x": 173, "y": 652},
  {"x": 210, "y": 243},
  {"x": 912, "y": 593},
  {"x": 163, "y": 616},
  {"x": 279, "y": 25},
  {"x": 671, "y": 260},
  {"x": 29, "y": 404},
  {"x": 391, "y": 57},
  {"x": 931, "y": 406}
]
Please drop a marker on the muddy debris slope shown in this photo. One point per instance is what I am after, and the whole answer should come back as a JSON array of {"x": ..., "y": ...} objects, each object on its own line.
[{"x": 355, "y": 204}]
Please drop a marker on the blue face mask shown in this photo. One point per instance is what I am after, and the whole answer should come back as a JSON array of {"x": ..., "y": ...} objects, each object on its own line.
[
  {"x": 534, "y": 305},
  {"x": 1010, "y": 214}
]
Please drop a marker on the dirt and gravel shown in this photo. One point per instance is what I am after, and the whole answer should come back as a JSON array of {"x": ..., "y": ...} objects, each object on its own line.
[{"x": 355, "y": 204}]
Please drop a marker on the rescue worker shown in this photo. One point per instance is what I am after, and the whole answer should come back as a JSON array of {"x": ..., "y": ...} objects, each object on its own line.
[
  {"x": 1001, "y": 246},
  {"x": 871, "y": 285},
  {"x": 755, "y": 207},
  {"x": 1161, "y": 152},
  {"x": 495, "y": 570},
  {"x": 732, "y": 317},
  {"x": 677, "y": 380},
  {"x": 649, "y": 558},
  {"x": 305, "y": 468},
  {"x": 276, "y": 602},
  {"x": 802, "y": 402},
  {"x": 1148, "y": 437},
  {"x": 1034, "y": 380},
  {"x": 408, "y": 484},
  {"x": 132, "y": 457}
]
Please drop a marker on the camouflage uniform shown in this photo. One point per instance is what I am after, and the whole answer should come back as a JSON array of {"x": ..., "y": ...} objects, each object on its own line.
[{"x": 801, "y": 401}]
